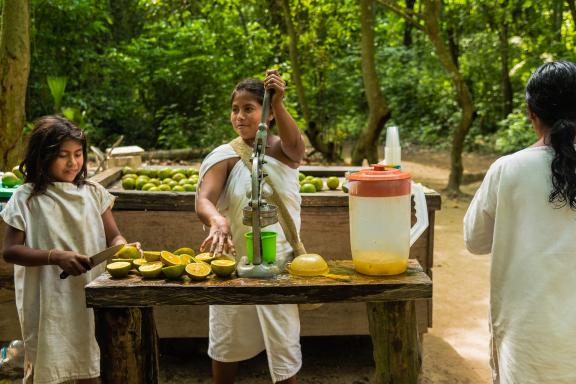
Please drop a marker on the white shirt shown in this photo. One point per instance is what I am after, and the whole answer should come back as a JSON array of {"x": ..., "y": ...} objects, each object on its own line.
[
  {"x": 57, "y": 328},
  {"x": 533, "y": 287}
]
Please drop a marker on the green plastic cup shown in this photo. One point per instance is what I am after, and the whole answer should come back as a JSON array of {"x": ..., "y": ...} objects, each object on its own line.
[{"x": 268, "y": 241}]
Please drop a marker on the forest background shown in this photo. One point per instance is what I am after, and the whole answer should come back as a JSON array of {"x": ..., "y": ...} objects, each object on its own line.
[{"x": 450, "y": 74}]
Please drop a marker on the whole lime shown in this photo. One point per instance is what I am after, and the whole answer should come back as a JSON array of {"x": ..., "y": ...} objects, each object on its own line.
[
  {"x": 307, "y": 188},
  {"x": 178, "y": 188},
  {"x": 178, "y": 176},
  {"x": 318, "y": 183},
  {"x": 301, "y": 176},
  {"x": 10, "y": 180},
  {"x": 164, "y": 173},
  {"x": 333, "y": 182},
  {"x": 16, "y": 171},
  {"x": 129, "y": 183},
  {"x": 148, "y": 186},
  {"x": 127, "y": 170},
  {"x": 190, "y": 187}
]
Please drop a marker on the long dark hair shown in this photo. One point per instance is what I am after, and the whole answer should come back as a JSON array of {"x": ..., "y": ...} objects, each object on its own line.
[
  {"x": 43, "y": 148},
  {"x": 551, "y": 95},
  {"x": 253, "y": 86}
]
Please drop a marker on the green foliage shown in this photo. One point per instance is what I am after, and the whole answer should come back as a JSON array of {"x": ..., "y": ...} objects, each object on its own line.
[
  {"x": 516, "y": 133},
  {"x": 161, "y": 72}
]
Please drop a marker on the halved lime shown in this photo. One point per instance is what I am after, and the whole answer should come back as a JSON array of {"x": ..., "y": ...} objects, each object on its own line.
[
  {"x": 174, "y": 271},
  {"x": 168, "y": 258},
  {"x": 150, "y": 270},
  {"x": 119, "y": 268},
  {"x": 223, "y": 267},
  {"x": 198, "y": 271}
]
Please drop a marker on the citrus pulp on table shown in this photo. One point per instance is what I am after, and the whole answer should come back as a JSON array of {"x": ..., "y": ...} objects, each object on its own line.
[
  {"x": 150, "y": 270},
  {"x": 309, "y": 264},
  {"x": 223, "y": 267},
  {"x": 198, "y": 271},
  {"x": 119, "y": 268}
]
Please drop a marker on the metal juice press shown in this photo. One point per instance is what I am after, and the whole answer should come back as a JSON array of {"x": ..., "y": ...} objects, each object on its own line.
[{"x": 258, "y": 213}]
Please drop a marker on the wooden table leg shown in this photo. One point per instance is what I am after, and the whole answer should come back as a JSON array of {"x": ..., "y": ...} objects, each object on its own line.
[
  {"x": 395, "y": 341},
  {"x": 128, "y": 345}
]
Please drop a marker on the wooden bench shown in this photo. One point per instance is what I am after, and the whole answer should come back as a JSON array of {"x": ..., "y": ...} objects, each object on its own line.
[{"x": 126, "y": 331}]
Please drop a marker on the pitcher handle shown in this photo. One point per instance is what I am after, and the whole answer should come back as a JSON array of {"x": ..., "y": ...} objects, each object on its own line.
[{"x": 421, "y": 213}]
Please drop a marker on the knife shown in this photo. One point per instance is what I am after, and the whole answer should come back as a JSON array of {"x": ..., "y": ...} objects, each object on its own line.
[{"x": 99, "y": 257}]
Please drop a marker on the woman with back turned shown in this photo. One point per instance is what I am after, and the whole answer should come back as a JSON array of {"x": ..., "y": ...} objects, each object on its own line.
[{"x": 525, "y": 214}]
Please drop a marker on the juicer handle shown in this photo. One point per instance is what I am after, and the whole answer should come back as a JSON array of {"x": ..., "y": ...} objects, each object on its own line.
[{"x": 421, "y": 213}]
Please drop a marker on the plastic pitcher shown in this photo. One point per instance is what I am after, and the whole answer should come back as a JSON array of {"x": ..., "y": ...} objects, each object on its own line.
[{"x": 380, "y": 214}]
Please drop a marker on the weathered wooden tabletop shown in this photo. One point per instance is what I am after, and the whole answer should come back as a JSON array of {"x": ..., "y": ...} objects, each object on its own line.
[{"x": 134, "y": 291}]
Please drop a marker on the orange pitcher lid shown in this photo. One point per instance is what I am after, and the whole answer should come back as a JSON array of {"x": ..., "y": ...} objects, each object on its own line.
[
  {"x": 379, "y": 181},
  {"x": 378, "y": 172}
]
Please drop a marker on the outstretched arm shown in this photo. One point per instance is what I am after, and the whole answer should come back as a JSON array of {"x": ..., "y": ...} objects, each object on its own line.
[
  {"x": 211, "y": 187},
  {"x": 292, "y": 144}
]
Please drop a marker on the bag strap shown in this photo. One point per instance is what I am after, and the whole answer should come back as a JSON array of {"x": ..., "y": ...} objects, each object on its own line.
[{"x": 286, "y": 222}]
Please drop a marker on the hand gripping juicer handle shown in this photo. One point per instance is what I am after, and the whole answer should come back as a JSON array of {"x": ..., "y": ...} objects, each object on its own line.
[
  {"x": 421, "y": 213},
  {"x": 258, "y": 175}
]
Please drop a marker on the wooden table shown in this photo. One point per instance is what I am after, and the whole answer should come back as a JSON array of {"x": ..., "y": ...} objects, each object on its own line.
[{"x": 128, "y": 341}]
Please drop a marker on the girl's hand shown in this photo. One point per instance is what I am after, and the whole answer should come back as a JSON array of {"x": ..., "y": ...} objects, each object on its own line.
[
  {"x": 219, "y": 238},
  {"x": 71, "y": 262},
  {"x": 273, "y": 81},
  {"x": 138, "y": 247}
]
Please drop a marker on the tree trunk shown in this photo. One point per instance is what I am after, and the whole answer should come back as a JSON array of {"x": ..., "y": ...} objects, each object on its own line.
[
  {"x": 572, "y": 12},
  {"x": 507, "y": 92},
  {"x": 431, "y": 17},
  {"x": 14, "y": 70},
  {"x": 557, "y": 12},
  {"x": 378, "y": 111},
  {"x": 408, "y": 26},
  {"x": 313, "y": 130}
]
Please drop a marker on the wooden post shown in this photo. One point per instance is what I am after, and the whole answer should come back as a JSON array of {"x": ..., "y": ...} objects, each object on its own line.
[
  {"x": 128, "y": 345},
  {"x": 395, "y": 342}
]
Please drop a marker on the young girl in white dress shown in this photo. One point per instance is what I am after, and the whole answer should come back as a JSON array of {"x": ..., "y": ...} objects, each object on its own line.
[{"x": 54, "y": 220}]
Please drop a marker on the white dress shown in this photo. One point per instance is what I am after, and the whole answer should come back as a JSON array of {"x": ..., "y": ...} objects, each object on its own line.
[
  {"x": 57, "y": 328},
  {"x": 240, "y": 332},
  {"x": 533, "y": 290}
]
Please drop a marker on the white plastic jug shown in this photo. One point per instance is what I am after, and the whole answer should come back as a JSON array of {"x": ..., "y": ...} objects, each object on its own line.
[{"x": 380, "y": 213}]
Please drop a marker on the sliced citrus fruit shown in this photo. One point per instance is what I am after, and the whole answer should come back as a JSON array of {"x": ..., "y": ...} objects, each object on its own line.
[
  {"x": 184, "y": 250},
  {"x": 198, "y": 271},
  {"x": 139, "y": 262},
  {"x": 223, "y": 267},
  {"x": 150, "y": 270},
  {"x": 174, "y": 271},
  {"x": 168, "y": 258},
  {"x": 185, "y": 259},
  {"x": 119, "y": 268},
  {"x": 152, "y": 255},
  {"x": 128, "y": 252},
  {"x": 205, "y": 257}
]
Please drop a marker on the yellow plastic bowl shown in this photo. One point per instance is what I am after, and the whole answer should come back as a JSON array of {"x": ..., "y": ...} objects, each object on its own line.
[{"x": 309, "y": 264}]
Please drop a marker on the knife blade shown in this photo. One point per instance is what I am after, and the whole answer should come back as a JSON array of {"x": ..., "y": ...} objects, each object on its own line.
[{"x": 99, "y": 257}]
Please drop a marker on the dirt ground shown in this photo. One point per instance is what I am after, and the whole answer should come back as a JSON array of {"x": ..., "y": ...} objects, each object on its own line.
[{"x": 456, "y": 349}]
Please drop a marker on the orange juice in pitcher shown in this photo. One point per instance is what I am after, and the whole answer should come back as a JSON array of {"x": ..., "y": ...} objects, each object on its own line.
[{"x": 380, "y": 212}]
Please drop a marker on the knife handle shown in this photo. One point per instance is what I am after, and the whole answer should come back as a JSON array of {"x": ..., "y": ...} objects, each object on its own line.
[{"x": 65, "y": 274}]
